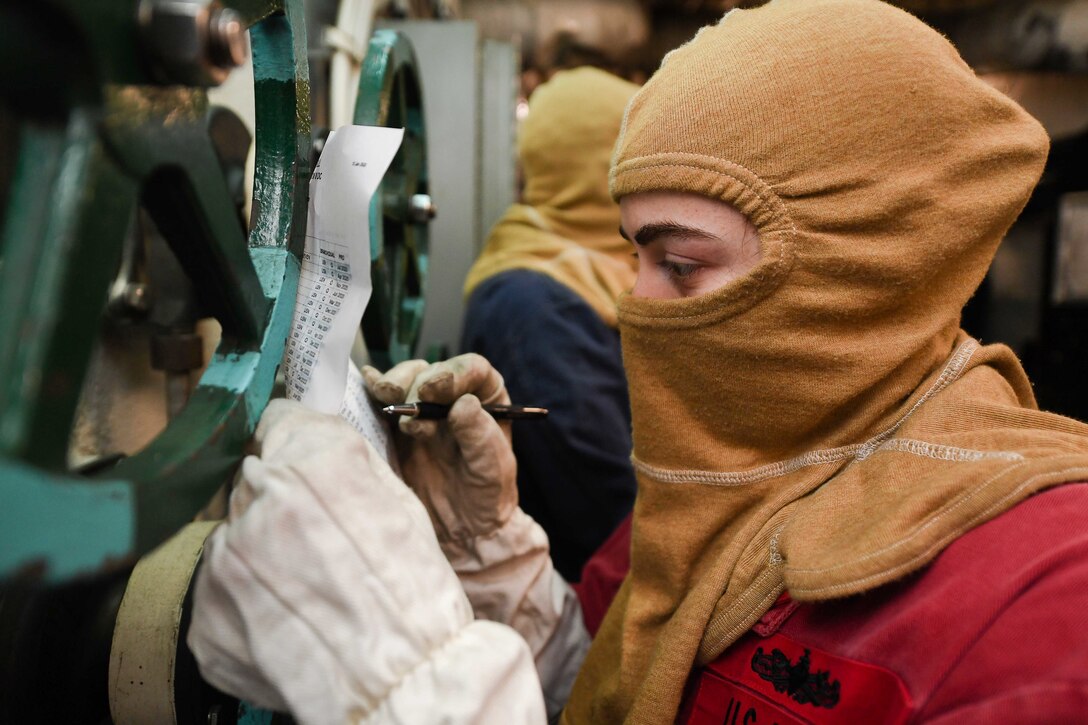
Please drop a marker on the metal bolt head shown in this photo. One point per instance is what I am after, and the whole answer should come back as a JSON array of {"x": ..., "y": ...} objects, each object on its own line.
[
  {"x": 227, "y": 39},
  {"x": 129, "y": 301},
  {"x": 192, "y": 42},
  {"x": 421, "y": 208},
  {"x": 136, "y": 297}
]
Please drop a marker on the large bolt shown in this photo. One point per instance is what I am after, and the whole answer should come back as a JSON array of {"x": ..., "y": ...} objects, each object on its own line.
[
  {"x": 129, "y": 300},
  {"x": 192, "y": 42},
  {"x": 421, "y": 208},
  {"x": 136, "y": 297},
  {"x": 227, "y": 46}
]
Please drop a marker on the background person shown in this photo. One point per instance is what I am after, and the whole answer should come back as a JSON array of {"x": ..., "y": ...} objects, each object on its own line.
[{"x": 542, "y": 308}]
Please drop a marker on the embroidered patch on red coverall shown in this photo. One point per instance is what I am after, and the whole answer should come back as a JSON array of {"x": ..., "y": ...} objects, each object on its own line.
[{"x": 777, "y": 680}]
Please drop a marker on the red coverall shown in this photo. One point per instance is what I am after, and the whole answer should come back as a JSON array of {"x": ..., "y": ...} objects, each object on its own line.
[{"x": 994, "y": 631}]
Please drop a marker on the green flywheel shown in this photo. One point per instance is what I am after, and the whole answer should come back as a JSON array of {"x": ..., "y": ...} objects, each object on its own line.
[
  {"x": 390, "y": 95},
  {"x": 116, "y": 120}
]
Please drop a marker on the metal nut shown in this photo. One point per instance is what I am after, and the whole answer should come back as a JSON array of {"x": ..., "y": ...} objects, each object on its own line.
[
  {"x": 129, "y": 300},
  {"x": 192, "y": 42},
  {"x": 227, "y": 46},
  {"x": 421, "y": 208},
  {"x": 136, "y": 297},
  {"x": 177, "y": 353}
]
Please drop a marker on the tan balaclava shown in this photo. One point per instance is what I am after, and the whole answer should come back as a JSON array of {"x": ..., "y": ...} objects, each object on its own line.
[
  {"x": 821, "y": 425},
  {"x": 567, "y": 225}
]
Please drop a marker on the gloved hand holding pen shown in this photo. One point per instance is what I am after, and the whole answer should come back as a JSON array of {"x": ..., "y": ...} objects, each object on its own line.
[{"x": 462, "y": 468}]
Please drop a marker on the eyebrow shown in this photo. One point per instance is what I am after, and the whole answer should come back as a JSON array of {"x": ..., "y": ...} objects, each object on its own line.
[{"x": 651, "y": 232}]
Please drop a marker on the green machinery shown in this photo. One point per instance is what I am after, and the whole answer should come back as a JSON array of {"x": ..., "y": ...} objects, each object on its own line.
[
  {"x": 107, "y": 120},
  {"x": 389, "y": 95}
]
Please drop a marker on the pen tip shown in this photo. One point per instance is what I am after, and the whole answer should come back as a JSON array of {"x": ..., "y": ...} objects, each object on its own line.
[{"x": 403, "y": 409}]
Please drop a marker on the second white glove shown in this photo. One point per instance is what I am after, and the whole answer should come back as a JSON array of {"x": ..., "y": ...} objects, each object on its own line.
[
  {"x": 327, "y": 594},
  {"x": 463, "y": 470}
]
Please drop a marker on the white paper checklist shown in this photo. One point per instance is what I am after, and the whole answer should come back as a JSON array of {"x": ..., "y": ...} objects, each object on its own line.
[{"x": 334, "y": 285}]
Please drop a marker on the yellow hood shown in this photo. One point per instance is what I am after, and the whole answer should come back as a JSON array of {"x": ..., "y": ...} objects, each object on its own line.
[{"x": 567, "y": 225}]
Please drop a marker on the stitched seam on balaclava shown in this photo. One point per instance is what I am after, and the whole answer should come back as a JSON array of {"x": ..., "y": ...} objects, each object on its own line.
[
  {"x": 775, "y": 557},
  {"x": 743, "y": 478},
  {"x": 946, "y": 453},
  {"x": 860, "y": 451},
  {"x": 744, "y": 625},
  {"x": 949, "y": 375},
  {"x": 1069, "y": 474}
]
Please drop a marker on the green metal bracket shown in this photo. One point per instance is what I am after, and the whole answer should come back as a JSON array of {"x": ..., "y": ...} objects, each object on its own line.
[
  {"x": 390, "y": 95},
  {"x": 105, "y": 138}
]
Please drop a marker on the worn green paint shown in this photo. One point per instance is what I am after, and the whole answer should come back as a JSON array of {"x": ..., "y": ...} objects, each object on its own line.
[
  {"x": 80, "y": 174},
  {"x": 390, "y": 95},
  {"x": 231, "y": 371},
  {"x": 96, "y": 525},
  {"x": 282, "y": 106},
  {"x": 253, "y": 373},
  {"x": 250, "y": 715},
  {"x": 69, "y": 209}
]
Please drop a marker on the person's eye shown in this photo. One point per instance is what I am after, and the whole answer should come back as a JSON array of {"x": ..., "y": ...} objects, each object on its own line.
[{"x": 676, "y": 270}]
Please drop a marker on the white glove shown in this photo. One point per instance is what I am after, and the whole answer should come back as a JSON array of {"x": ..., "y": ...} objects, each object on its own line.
[
  {"x": 509, "y": 578},
  {"x": 463, "y": 470},
  {"x": 327, "y": 595}
]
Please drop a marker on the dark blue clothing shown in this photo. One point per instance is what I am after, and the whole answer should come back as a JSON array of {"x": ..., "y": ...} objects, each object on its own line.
[{"x": 574, "y": 468}]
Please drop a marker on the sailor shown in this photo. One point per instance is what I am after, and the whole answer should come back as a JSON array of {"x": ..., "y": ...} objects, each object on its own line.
[
  {"x": 848, "y": 510},
  {"x": 542, "y": 309}
]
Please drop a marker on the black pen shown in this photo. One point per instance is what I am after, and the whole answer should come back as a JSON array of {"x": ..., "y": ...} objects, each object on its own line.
[{"x": 438, "y": 411}]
